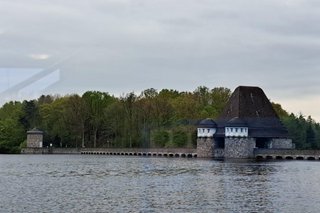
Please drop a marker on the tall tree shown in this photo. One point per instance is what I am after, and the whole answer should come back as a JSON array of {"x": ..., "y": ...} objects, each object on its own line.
[
  {"x": 219, "y": 98},
  {"x": 54, "y": 122},
  {"x": 76, "y": 116},
  {"x": 279, "y": 110},
  {"x": 12, "y": 132},
  {"x": 30, "y": 114},
  {"x": 96, "y": 103},
  {"x": 128, "y": 104}
]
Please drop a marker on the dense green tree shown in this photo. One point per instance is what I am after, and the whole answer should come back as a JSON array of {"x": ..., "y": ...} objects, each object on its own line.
[
  {"x": 96, "y": 102},
  {"x": 160, "y": 119},
  {"x": 186, "y": 106},
  {"x": 54, "y": 122},
  {"x": 45, "y": 99},
  {"x": 76, "y": 113},
  {"x": 114, "y": 116},
  {"x": 130, "y": 112},
  {"x": 203, "y": 95},
  {"x": 219, "y": 99},
  {"x": 279, "y": 110},
  {"x": 29, "y": 117},
  {"x": 180, "y": 138},
  {"x": 310, "y": 137},
  {"x": 160, "y": 138},
  {"x": 12, "y": 132}
]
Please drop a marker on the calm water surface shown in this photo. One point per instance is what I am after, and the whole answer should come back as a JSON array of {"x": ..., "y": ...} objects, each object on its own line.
[{"x": 78, "y": 183}]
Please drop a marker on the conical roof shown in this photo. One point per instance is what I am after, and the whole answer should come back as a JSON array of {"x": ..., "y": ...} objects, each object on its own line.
[
  {"x": 251, "y": 106},
  {"x": 248, "y": 102}
]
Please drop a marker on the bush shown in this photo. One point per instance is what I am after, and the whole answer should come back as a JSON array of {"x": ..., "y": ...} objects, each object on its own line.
[
  {"x": 180, "y": 138},
  {"x": 6, "y": 148},
  {"x": 160, "y": 138},
  {"x": 23, "y": 144}
]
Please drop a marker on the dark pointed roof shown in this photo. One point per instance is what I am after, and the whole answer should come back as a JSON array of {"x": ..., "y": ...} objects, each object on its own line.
[
  {"x": 251, "y": 106},
  {"x": 248, "y": 102}
]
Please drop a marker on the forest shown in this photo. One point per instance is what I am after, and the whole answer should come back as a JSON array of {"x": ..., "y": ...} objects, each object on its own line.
[{"x": 165, "y": 118}]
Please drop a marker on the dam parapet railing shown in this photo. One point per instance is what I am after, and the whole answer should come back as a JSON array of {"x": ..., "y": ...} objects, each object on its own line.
[
  {"x": 155, "y": 152},
  {"x": 51, "y": 150},
  {"x": 286, "y": 154}
]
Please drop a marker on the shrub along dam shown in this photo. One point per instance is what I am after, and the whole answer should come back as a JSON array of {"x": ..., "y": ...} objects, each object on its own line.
[{"x": 248, "y": 128}]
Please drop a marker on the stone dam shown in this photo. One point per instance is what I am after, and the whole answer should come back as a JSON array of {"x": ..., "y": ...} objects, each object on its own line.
[{"x": 259, "y": 154}]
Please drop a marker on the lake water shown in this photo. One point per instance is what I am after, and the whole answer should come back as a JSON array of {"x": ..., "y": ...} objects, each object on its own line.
[{"x": 81, "y": 183}]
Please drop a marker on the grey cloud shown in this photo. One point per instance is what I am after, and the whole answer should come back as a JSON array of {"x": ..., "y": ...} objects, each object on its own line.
[{"x": 122, "y": 45}]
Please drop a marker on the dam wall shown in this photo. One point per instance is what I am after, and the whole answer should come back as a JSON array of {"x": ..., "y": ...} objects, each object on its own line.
[
  {"x": 157, "y": 152},
  {"x": 259, "y": 154}
]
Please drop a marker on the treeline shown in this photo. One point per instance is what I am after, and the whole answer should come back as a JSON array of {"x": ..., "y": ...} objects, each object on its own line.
[
  {"x": 305, "y": 132},
  {"x": 151, "y": 119}
]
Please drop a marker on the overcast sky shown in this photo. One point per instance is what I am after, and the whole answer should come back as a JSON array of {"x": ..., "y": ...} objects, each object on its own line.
[{"x": 121, "y": 46}]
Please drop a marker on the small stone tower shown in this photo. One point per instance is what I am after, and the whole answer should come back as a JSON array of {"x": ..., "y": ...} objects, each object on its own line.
[
  {"x": 205, "y": 142},
  {"x": 34, "y": 138},
  {"x": 238, "y": 144}
]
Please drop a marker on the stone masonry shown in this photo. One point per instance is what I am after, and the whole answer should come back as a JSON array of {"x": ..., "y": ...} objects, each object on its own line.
[
  {"x": 34, "y": 139},
  {"x": 239, "y": 147},
  {"x": 280, "y": 143},
  {"x": 205, "y": 147}
]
